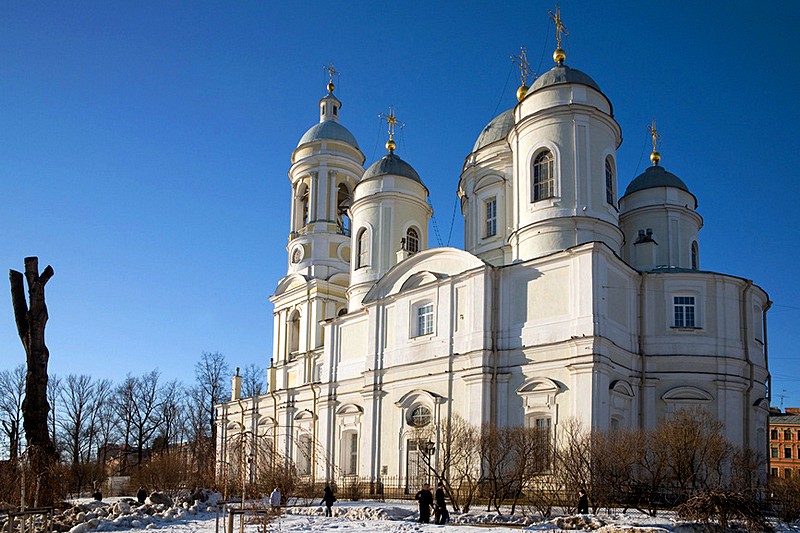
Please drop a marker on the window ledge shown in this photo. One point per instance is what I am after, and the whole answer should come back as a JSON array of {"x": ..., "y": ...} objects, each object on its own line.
[{"x": 686, "y": 328}]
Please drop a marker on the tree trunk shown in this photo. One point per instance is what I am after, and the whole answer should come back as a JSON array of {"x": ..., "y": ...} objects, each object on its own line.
[{"x": 30, "y": 325}]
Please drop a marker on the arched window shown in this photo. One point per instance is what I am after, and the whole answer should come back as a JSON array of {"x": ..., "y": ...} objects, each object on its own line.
[
  {"x": 609, "y": 182},
  {"x": 362, "y": 248},
  {"x": 543, "y": 178},
  {"x": 342, "y": 203},
  {"x": 301, "y": 206},
  {"x": 350, "y": 453},
  {"x": 294, "y": 332},
  {"x": 412, "y": 240},
  {"x": 695, "y": 256}
]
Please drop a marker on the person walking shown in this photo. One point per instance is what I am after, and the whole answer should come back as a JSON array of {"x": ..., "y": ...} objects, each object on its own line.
[
  {"x": 275, "y": 501},
  {"x": 583, "y": 502},
  {"x": 425, "y": 499},
  {"x": 440, "y": 511},
  {"x": 328, "y": 498}
]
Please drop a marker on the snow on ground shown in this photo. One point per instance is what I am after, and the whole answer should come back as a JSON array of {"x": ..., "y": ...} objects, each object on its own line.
[{"x": 379, "y": 517}]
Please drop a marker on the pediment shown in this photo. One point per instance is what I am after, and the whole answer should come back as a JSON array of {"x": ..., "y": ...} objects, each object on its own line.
[
  {"x": 686, "y": 394},
  {"x": 425, "y": 266}
]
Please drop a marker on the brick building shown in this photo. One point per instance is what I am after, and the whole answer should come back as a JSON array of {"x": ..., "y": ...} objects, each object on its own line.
[{"x": 784, "y": 442}]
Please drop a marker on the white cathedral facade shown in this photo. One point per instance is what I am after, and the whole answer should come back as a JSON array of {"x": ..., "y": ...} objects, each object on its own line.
[{"x": 570, "y": 299}]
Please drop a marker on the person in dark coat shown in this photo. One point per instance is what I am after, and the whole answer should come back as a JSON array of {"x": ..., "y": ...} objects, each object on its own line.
[
  {"x": 440, "y": 511},
  {"x": 425, "y": 499},
  {"x": 583, "y": 502},
  {"x": 328, "y": 498},
  {"x": 141, "y": 495}
]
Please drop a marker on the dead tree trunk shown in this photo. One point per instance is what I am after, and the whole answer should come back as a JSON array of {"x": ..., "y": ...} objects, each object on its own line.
[{"x": 30, "y": 325}]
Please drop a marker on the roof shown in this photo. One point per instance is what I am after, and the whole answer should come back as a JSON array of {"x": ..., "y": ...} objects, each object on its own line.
[
  {"x": 784, "y": 418},
  {"x": 563, "y": 74},
  {"x": 391, "y": 164},
  {"x": 655, "y": 176},
  {"x": 495, "y": 130},
  {"x": 328, "y": 130}
]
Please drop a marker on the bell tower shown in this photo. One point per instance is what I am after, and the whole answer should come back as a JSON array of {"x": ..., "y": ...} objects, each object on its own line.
[{"x": 326, "y": 167}]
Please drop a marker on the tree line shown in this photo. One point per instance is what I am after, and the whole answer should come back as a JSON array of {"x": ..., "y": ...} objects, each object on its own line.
[{"x": 103, "y": 428}]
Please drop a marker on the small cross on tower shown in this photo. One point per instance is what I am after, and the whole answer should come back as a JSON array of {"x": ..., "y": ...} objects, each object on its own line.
[{"x": 331, "y": 72}]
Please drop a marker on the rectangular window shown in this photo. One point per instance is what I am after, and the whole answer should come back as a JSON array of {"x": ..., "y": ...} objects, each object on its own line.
[
  {"x": 787, "y": 473},
  {"x": 787, "y": 434},
  {"x": 684, "y": 312},
  {"x": 787, "y": 453},
  {"x": 773, "y": 434},
  {"x": 491, "y": 217},
  {"x": 774, "y": 453},
  {"x": 774, "y": 472},
  {"x": 352, "y": 466},
  {"x": 425, "y": 320}
]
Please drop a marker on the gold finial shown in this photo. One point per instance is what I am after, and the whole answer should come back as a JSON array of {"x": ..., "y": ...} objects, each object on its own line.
[
  {"x": 331, "y": 72},
  {"x": 655, "y": 157},
  {"x": 392, "y": 121},
  {"x": 524, "y": 71},
  {"x": 559, "y": 55}
]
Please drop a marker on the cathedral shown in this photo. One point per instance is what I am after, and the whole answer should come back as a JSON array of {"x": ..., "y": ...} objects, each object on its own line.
[{"x": 571, "y": 299}]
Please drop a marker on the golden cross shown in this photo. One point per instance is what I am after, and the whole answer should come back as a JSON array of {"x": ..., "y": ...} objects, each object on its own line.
[
  {"x": 391, "y": 120},
  {"x": 331, "y": 71},
  {"x": 654, "y": 133},
  {"x": 522, "y": 62},
  {"x": 560, "y": 28}
]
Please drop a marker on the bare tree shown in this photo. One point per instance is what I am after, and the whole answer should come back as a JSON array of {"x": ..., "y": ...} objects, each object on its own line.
[
  {"x": 124, "y": 399},
  {"x": 252, "y": 381},
  {"x": 76, "y": 399},
  {"x": 101, "y": 394},
  {"x": 170, "y": 413},
  {"x": 696, "y": 448},
  {"x": 574, "y": 458},
  {"x": 198, "y": 430},
  {"x": 53, "y": 392},
  {"x": 12, "y": 393},
  {"x": 145, "y": 412},
  {"x": 211, "y": 374},
  {"x": 31, "y": 322}
]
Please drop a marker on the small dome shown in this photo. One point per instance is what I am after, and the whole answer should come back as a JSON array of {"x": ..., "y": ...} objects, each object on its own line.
[
  {"x": 495, "y": 130},
  {"x": 655, "y": 176},
  {"x": 562, "y": 74},
  {"x": 329, "y": 130},
  {"x": 391, "y": 164}
]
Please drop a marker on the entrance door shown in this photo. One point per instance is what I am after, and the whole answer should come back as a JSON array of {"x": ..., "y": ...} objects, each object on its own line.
[{"x": 417, "y": 471}]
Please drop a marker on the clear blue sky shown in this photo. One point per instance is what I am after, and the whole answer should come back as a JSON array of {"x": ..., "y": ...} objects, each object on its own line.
[{"x": 144, "y": 146}]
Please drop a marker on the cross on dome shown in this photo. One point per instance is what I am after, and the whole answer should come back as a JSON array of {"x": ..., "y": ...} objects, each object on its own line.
[
  {"x": 392, "y": 121},
  {"x": 655, "y": 157},
  {"x": 331, "y": 72},
  {"x": 559, "y": 55},
  {"x": 524, "y": 71}
]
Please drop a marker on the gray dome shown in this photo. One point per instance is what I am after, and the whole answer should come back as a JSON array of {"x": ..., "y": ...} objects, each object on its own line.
[
  {"x": 391, "y": 164},
  {"x": 495, "y": 130},
  {"x": 329, "y": 130},
  {"x": 655, "y": 176},
  {"x": 563, "y": 74}
]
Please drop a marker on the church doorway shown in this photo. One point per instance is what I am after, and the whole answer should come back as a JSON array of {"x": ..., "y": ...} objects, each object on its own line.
[{"x": 418, "y": 455}]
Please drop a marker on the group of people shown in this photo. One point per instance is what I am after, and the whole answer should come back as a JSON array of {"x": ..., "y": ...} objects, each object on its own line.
[
  {"x": 437, "y": 502},
  {"x": 426, "y": 499}
]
